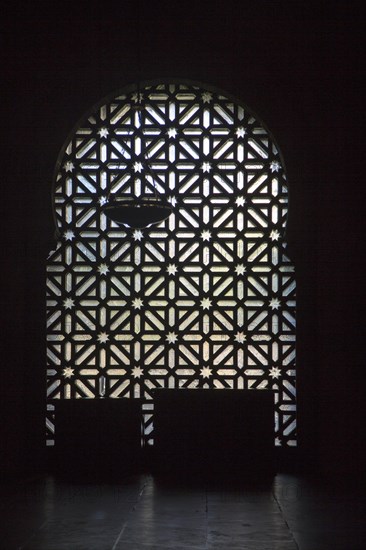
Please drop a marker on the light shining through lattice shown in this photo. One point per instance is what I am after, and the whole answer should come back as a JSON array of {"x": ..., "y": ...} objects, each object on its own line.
[{"x": 206, "y": 299}]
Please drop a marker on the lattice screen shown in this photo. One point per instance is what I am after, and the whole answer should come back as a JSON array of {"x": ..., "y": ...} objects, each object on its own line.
[{"x": 206, "y": 299}]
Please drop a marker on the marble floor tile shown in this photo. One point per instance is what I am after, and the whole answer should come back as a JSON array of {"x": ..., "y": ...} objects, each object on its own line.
[{"x": 291, "y": 513}]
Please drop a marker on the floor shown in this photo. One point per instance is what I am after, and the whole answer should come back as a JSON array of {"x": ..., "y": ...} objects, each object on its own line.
[{"x": 140, "y": 512}]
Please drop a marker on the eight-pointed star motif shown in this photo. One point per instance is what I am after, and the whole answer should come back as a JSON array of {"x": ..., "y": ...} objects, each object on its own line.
[
  {"x": 275, "y": 303},
  {"x": 69, "y": 235},
  {"x": 274, "y": 235},
  {"x": 275, "y": 166},
  {"x": 206, "y": 167},
  {"x": 102, "y": 200},
  {"x": 137, "y": 235},
  {"x": 240, "y": 132},
  {"x": 69, "y": 166},
  {"x": 137, "y": 303},
  {"x": 275, "y": 372},
  {"x": 240, "y": 337},
  {"x": 172, "y": 132},
  {"x": 240, "y": 201},
  {"x": 138, "y": 167},
  {"x": 68, "y": 372},
  {"x": 171, "y": 338},
  {"x": 206, "y": 372},
  {"x": 206, "y": 97},
  {"x": 103, "y": 269},
  {"x": 103, "y": 338},
  {"x": 172, "y": 269},
  {"x": 69, "y": 303},
  {"x": 206, "y": 235},
  {"x": 137, "y": 372},
  {"x": 172, "y": 200},
  {"x": 240, "y": 269},
  {"x": 103, "y": 132},
  {"x": 206, "y": 303}
]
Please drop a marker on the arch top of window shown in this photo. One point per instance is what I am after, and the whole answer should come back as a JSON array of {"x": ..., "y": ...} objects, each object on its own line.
[{"x": 204, "y": 147}]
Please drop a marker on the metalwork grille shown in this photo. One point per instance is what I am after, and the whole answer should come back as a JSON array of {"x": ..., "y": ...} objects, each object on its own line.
[{"x": 206, "y": 299}]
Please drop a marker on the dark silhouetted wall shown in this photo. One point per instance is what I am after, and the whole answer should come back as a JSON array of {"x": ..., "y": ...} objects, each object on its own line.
[{"x": 298, "y": 66}]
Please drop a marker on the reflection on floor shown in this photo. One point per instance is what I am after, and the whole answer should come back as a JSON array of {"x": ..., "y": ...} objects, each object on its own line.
[{"x": 141, "y": 512}]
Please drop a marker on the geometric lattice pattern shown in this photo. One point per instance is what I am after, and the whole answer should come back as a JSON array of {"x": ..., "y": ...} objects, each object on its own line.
[{"x": 206, "y": 299}]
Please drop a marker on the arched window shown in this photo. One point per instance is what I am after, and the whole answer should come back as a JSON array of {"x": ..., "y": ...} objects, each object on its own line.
[{"x": 205, "y": 299}]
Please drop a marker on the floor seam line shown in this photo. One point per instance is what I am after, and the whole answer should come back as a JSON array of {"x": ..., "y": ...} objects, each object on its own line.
[
  {"x": 24, "y": 546},
  {"x": 284, "y": 518},
  {"x": 139, "y": 496}
]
